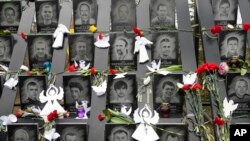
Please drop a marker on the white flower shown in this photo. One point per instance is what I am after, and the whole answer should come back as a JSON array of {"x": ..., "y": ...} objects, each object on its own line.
[
  {"x": 4, "y": 67},
  {"x": 146, "y": 80},
  {"x": 100, "y": 90},
  {"x": 51, "y": 134},
  {"x": 25, "y": 68},
  {"x": 125, "y": 111},
  {"x": 84, "y": 65},
  {"x": 188, "y": 79},
  {"x": 10, "y": 83},
  {"x": 120, "y": 75},
  {"x": 8, "y": 119},
  {"x": 156, "y": 68},
  {"x": 229, "y": 107}
]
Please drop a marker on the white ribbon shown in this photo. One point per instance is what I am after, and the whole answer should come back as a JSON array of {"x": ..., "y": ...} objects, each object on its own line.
[
  {"x": 51, "y": 134},
  {"x": 58, "y": 34},
  {"x": 11, "y": 83},
  {"x": 140, "y": 44}
]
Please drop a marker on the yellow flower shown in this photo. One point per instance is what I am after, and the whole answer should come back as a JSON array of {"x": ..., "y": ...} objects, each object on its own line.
[{"x": 92, "y": 28}]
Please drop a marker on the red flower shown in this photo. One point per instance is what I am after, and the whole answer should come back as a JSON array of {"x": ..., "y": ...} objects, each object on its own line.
[
  {"x": 92, "y": 71},
  {"x": 186, "y": 87},
  {"x": 100, "y": 36},
  {"x": 246, "y": 26},
  {"x": 219, "y": 121},
  {"x": 137, "y": 31},
  {"x": 112, "y": 71},
  {"x": 206, "y": 67},
  {"x": 196, "y": 86},
  {"x": 23, "y": 35},
  {"x": 100, "y": 117},
  {"x": 53, "y": 115},
  {"x": 71, "y": 68},
  {"x": 212, "y": 66},
  {"x": 216, "y": 29},
  {"x": 19, "y": 113}
]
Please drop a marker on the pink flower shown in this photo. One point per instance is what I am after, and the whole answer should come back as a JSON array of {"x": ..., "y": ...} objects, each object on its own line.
[{"x": 223, "y": 68}]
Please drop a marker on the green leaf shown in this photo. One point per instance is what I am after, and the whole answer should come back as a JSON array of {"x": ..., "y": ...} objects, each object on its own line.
[
  {"x": 243, "y": 71},
  {"x": 118, "y": 120}
]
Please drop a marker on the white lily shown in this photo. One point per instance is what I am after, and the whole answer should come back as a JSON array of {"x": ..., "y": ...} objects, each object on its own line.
[
  {"x": 51, "y": 134},
  {"x": 125, "y": 111},
  {"x": 102, "y": 42},
  {"x": 100, "y": 90},
  {"x": 229, "y": 107},
  {"x": 83, "y": 65},
  {"x": 11, "y": 83},
  {"x": 25, "y": 68},
  {"x": 188, "y": 79},
  {"x": 120, "y": 75},
  {"x": 156, "y": 68}
]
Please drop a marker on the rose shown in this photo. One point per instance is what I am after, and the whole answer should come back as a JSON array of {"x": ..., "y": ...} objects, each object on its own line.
[
  {"x": 92, "y": 71},
  {"x": 71, "y": 68},
  {"x": 219, "y": 121},
  {"x": 137, "y": 31},
  {"x": 216, "y": 29},
  {"x": 112, "y": 71},
  {"x": 246, "y": 26},
  {"x": 100, "y": 117}
]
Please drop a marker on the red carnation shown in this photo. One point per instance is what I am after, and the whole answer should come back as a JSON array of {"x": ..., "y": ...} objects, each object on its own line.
[
  {"x": 92, "y": 71},
  {"x": 206, "y": 67},
  {"x": 246, "y": 26},
  {"x": 216, "y": 29},
  {"x": 112, "y": 71},
  {"x": 100, "y": 36},
  {"x": 212, "y": 66},
  {"x": 23, "y": 35},
  {"x": 137, "y": 31},
  {"x": 186, "y": 87},
  {"x": 71, "y": 68},
  {"x": 219, "y": 121},
  {"x": 100, "y": 117},
  {"x": 196, "y": 86}
]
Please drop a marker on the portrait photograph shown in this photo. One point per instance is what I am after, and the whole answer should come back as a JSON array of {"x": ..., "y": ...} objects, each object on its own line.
[
  {"x": 122, "y": 92},
  {"x": 232, "y": 43},
  {"x": 123, "y": 15},
  {"x": 39, "y": 50},
  {"x": 162, "y": 13},
  {"x": 47, "y": 15},
  {"x": 85, "y": 14},
  {"x": 72, "y": 131},
  {"x": 81, "y": 47},
  {"x": 76, "y": 89},
  {"x": 167, "y": 100},
  {"x": 30, "y": 88},
  {"x": 10, "y": 15},
  {"x": 6, "y": 47},
  {"x": 23, "y": 132},
  {"x": 119, "y": 132},
  {"x": 225, "y": 11},
  {"x": 181, "y": 131},
  {"x": 166, "y": 48},
  {"x": 122, "y": 50}
]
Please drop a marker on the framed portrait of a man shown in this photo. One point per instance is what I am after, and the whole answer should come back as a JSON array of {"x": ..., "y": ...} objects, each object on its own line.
[
  {"x": 167, "y": 99},
  {"x": 123, "y": 15},
  {"x": 122, "y": 47},
  {"x": 23, "y": 132},
  {"x": 39, "y": 50},
  {"x": 238, "y": 90},
  {"x": 72, "y": 131},
  {"x": 81, "y": 47},
  {"x": 6, "y": 47},
  {"x": 225, "y": 11},
  {"x": 30, "y": 88},
  {"x": 122, "y": 92},
  {"x": 162, "y": 13},
  {"x": 85, "y": 14},
  {"x": 175, "y": 132},
  {"x": 119, "y": 132},
  {"x": 47, "y": 15},
  {"x": 76, "y": 89},
  {"x": 232, "y": 43},
  {"x": 166, "y": 48},
  {"x": 10, "y": 15}
]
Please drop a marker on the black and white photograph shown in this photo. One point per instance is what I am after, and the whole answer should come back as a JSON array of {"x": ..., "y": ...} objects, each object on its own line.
[
  {"x": 122, "y": 47},
  {"x": 39, "y": 50},
  {"x": 10, "y": 15},
  {"x": 72, "y": 132},
  {"x": 123, "y": 15},
  {"x": 119, "y": 132},
  {"x": 6, "y": 47},
  {"x": 162, "y": 13},
  {"x": 85, "y": 14},
  {"x": 225, "y": 11},
  {"x": 172, "y": 132},
  {"x": 167, "y": 100},
  {"x": 47, "y": 15},
  {"x": 122, "y": 92},
  {"x": 76, "y": 89},
  {"x": 238, "y": 90},
  {"x": 81, "y": 48},
  {"x": 232, "y": 43},
  {"x": 166, "y": 48},
  {"x": 23, "y": 132},
  {"x": 30, "y": 88}
]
